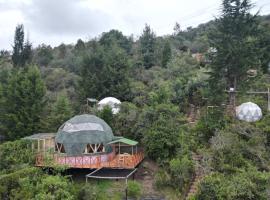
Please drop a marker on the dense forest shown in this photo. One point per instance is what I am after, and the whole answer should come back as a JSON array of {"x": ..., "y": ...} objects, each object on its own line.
[{"x": 174, "y": 102}]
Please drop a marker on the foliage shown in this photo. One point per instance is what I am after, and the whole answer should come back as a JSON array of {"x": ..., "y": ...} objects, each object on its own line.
[
  {"x": 161, "y": 140},
  {"x": 43, "y": 55},
  {"x": 181, "y": 171},
  {"x": 210, "y": 122},
  {"x": 162, "y": 178},
  {"x": 107, "y": 115},
  {"x": 104, "y": 73},
  {"x": 250, "y": 184},
  {"x": 234, "y": 45},
  {"x": 22, "y": 52},
  {"x": 166, "y": 54},
  {"x": 23, "y": 103},
  {"x": 237, "y": 147},
  {"x": 158, "y": 81},
  {"x": 134, "y": 189},
  {"x": 16, "y": 153},
  {"x": 88, "y": 192},
  {"x": 126, "y": 120},
  {"x": 147, "y": 47},
  {"x": 54, "y": 187},
  {"x": 112, "y": 37},
  {"x": 10, "y": 183},
  {"x": 61, "y": 112}
]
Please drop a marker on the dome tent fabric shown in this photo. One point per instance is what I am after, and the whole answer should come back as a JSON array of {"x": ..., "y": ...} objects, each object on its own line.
[
  {"x": 112, "y": 102},
  {"x": 81, "y": 130},
  {"x": 249, "y": 112}
]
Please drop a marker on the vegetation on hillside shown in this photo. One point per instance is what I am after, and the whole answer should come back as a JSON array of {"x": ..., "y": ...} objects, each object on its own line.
[{"x": 164, "y": 83}]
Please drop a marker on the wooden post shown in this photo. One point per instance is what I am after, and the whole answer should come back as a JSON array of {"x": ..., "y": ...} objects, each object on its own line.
[
  {"x": 33, "y": 146},
  {"x": 38, "y": 145},
  {"x": 268, "y": 99},
  {"x": 263, "y": 92},
  {"x": 119, "y": 147},
  {"x": 126, "y": 189}
]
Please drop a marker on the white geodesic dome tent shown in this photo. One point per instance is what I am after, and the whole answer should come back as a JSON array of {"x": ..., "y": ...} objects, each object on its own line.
[
  {"x": 112, "y": 102},
  {"x": 249, "y": 112}
]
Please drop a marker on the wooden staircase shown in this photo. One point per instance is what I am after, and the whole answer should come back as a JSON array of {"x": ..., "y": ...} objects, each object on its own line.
[{"x": 198, "y": 176}]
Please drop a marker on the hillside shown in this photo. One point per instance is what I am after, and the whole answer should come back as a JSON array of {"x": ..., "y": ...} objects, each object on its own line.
[{"x": 176, "y": 102}]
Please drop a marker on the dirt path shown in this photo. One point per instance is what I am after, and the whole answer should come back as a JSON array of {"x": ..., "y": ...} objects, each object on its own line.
[{"x": 145, "y": 175}]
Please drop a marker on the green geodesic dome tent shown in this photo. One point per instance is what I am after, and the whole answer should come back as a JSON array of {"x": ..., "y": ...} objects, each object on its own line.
[{"x": 81, "y": 130}]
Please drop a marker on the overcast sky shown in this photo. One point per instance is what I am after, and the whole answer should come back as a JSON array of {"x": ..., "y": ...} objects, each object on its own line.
[{"x": 56, "y": 21}]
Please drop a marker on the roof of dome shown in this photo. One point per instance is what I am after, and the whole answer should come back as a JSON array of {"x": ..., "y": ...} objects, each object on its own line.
[
  {"x": 249, "y": 112},
  {"x": 107, "y": 100},
  {"x": 82, "y": 130},
  {"x": 112, "y": 102}
]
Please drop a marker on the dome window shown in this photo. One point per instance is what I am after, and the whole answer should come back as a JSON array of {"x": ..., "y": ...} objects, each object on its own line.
[
  {"x": 70, "y": 128},
  {"x": 60, "y": 148},
  {"x": 94, "y": 148}
]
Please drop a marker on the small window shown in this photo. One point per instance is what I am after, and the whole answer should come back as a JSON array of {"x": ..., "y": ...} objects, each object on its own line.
[
  {"x": 94, "y": 148},
  {"x": 101, "y": 148},
  {"x": 60, "y": 148},
  {"x": 90, "y": 148}
]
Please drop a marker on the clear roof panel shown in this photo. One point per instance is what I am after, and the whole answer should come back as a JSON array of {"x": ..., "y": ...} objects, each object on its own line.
[{"x": 70, "y": 128}]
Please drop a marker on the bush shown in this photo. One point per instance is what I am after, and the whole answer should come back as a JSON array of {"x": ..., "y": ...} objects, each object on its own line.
[
  {"x": 209, "y": 124},
  {"x": 15, "y": 153},
  {"x": 11, "y": 182},
  {"x": 162, "y": 178},
  {"x": 134, "y": 189},
  {"x": 181, "y": 171},
  {"x": 250, "y": 184}
]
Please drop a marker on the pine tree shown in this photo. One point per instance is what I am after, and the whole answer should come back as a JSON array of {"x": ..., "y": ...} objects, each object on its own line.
[
  {"x": 61, "y": 111},
  {"x": 80, "y": 46},
  {"x": 18, "y": 46},
  {"x": 22, "y": 52},
  {"x": 105, "y": 73},
  {"x": 166, "y": 54},
  {"x": 234, "y": 44},
  {"x": 27, "y": 53},
  {"x": 23, "y": 103},
  {"x": 147, "y": 47},
  {"x": 44, "y": 55}
]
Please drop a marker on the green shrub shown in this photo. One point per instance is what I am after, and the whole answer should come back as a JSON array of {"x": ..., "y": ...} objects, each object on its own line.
[
  {"x": 181, "y": 171},
  {"x": 15, "y": 153},
  {"x": 162, "y": 178},
  {"x": 250, "y": 184},
  {"x": 11, "y": 182},
  {"x": 88, "y": 192},
  {"x": 134, "y": 189},
  {"x": 208, "y": 124}
]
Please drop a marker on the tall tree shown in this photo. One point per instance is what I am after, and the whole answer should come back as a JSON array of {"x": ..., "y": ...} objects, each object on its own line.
[
  {"x": 18, "y": 46},
  {"x": 147, "y": 47},
  {"x": 114, "y": 36},
  {"x": 166, "y": 54},
  {"x": 44, "y": 55},
  {"x": 23, "y": 103},
  {"x": 27, "y": 53},
  {"x": 234, "y": 45},
  {"x": 105, "y": 73},
  {"x": 22, "y": 52},
  {"x": 61, "y": 111},
  {"x": 80, "y": 46}
]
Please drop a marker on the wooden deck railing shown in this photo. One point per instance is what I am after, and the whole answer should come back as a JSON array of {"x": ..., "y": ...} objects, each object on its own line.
[{"x": 111, "y": 160}]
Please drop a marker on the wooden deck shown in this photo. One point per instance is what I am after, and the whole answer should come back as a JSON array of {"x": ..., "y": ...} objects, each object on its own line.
[{"x": 124, "y": 161}]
